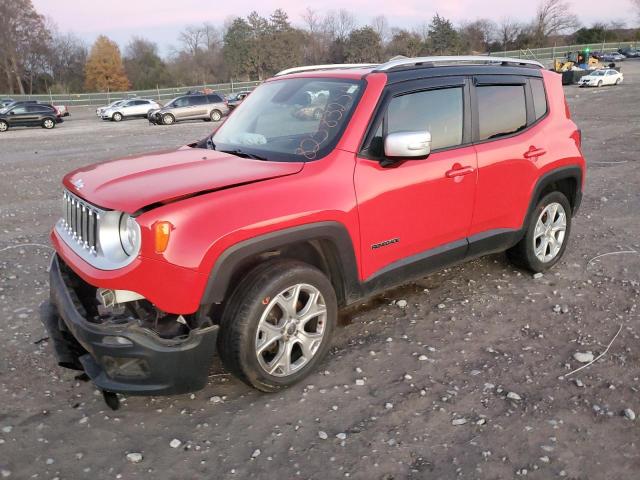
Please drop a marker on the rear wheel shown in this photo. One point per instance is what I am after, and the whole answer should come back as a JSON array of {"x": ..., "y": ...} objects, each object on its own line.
[
  {"x": 215, "y": 115},
  {"x": 48, "y": 123},
  {"x": 547, "y": 234},
  {"x": 277, "y": 325},
  {"x": 4, "y": 126},
  {"x": 117, "y": 117},
  {"x": 168, "y": 119}
]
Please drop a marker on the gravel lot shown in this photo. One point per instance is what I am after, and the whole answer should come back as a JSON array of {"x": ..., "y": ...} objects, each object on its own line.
[{"x": 465, "y": 381}]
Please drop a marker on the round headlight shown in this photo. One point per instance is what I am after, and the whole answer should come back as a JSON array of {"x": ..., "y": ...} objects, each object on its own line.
[{"x": 129, "y": 234}]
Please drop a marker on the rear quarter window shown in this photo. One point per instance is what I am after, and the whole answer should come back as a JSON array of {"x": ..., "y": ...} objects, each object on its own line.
[
  {"x": 214, "y": 99},
  {"x": 539, "y": 97},
  {"x": 502, "y": 110}
]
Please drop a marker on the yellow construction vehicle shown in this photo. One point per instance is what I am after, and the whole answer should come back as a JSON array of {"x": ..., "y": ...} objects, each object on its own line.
[{"x": 581, "y": 59}]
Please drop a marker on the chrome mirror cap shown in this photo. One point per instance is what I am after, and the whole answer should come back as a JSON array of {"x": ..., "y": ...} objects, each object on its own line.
[{"x": 407, "y": 145}]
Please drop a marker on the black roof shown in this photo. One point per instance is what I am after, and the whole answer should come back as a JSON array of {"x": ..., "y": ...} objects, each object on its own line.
[{"x": 415, "y": 72}]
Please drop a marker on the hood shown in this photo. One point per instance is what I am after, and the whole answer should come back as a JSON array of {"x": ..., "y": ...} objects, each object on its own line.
[{"x": 132, "y": 183}]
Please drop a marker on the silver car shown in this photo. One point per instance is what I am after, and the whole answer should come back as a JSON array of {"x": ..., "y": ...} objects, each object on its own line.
[
  {"x": 191, "y": 107},
  {"x": 115, "y": 103},
  {"x": 135, "y": 107}
]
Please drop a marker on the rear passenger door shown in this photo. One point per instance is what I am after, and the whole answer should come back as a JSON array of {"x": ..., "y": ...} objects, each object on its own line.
[
  {"x": 417, "y": 211},
  {"x": 198, "y": 106},
  {"x": 508, "y": 113}
]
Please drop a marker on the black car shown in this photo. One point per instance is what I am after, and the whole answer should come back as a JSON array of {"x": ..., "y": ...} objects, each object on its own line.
[
  {"x": 237, "y": 98},
  {"x": 21, "y": 114}
]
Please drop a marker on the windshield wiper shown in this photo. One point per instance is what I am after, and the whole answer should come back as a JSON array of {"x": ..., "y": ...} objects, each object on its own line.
[{"x": 240, "y": 153}]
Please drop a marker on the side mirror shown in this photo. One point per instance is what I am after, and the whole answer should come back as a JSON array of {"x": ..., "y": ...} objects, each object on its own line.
[
  {"x": 12, "y": 112},
  {"x": 407, "y": 145}
]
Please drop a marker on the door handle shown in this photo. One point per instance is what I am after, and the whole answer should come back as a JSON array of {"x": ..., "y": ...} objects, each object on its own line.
[
  {"x": 458, "y": 171},
  {"x": 534, "y": 152}
]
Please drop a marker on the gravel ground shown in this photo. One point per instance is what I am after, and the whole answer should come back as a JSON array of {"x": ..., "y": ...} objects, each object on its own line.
[{"x": 457, "y": 375}]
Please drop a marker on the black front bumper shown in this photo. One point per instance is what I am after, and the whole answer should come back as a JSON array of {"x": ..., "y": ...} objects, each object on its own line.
[{"x": 161, "y": 367}]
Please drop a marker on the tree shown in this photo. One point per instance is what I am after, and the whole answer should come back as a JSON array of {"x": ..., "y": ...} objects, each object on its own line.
[
  {"x": 144, "y": 67},
  {"x": 363, "y": 46},
  {"x": 477, "y": 35},
  {"x": 236, "y": 49},
  {"x": 443, "y": 38},
  {"x": 508, "y": 33},
  {"x": 284, "y": 44},
  {"x": 24, "y": 38},
  {"x": 104, "y": 70},
  {"x": 553, "y": 17},
  {"x": 381, "y": 26},
  {"x": 68, "y": 55},
  {"x": 635, "y": 4},
  {"x": 405, "y": 43}
]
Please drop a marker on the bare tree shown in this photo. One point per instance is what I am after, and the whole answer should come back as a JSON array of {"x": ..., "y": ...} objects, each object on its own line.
[
  {"x": 338, "y": 25},
  {"x": 508, "y": 31},
  {"x": 380, "y": 25},
  {"x": 635, "y": 4},
  {"x": 553, "y": 17},
  {"x": 193, "y": 39},
  {"x": 477, "y": 35}
]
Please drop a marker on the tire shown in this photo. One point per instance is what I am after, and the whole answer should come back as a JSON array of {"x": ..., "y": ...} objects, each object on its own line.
[
  {"x": 215, "y": 115},
  {"x": 4, "y": 126},
  {"x": 117, "y": 117},
  {"x": 524, "y": 254},
  {"x": 599, "y": 83},
  {"x": 168, "y": 119},
  {"x": 617, "y": 81},
  {"x": 48, "y": 123},
  {"x": 253, "y": 314}
]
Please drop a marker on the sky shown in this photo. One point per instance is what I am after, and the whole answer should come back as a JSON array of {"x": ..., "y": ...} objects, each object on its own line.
[{"x": 162, "y": 20}]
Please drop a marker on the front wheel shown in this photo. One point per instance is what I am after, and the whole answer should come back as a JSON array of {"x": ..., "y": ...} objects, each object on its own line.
[
  {"x": 4, "y": 126},
  {"x": 547, "y": 235},
  {"x": 168, "y": 119},
  {"x": 215, "y": 116},
  {"x": 117, "y": 117},
  {"x": 48, "y": 123},
  {"x": 277, "y": 325}
]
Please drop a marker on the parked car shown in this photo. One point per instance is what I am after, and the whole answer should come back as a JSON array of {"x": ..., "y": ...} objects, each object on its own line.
[
  {"x": 211, "y": 107},
  {"x": 113, "y": 104},
  {"x": 135, "y": 107},
  {"x": 236, "y": 99},
  {"x": 598, "y": 78},
  {"x": 629, "y": 52},
  {"x": 613, "y": 57},
  {"x": 29, "y": 114},
  {"x": 250, "y": 240}
]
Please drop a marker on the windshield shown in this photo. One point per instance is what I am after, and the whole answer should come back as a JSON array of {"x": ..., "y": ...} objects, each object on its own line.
[
  {"x": 291, "y": 120},
  {"x": 599, "y": 73}
]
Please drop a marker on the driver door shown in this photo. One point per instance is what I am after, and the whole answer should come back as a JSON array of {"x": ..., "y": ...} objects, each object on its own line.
[{"x": 418, "y": 211}]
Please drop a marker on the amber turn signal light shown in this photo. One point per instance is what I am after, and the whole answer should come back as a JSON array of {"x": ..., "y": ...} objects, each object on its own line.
[{"x": 162, "y": 232}]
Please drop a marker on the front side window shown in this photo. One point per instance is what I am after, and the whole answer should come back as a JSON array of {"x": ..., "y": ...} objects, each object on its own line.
[
  {"x": 18, "y": 110},
  {"x": 502, "y": 110},
  {"x": 440, "y": 112},
  {"x": 294, "y": 120}
]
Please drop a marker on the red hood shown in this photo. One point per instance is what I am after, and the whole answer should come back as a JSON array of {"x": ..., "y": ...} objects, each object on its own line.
[{"x": 131, "y": 183}]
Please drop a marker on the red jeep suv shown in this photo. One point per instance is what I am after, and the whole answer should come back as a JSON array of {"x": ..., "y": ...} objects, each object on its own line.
[{"x": 326, "y": 185}]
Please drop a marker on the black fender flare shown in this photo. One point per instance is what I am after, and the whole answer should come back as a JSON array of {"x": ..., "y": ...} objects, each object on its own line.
[
  {"x": 563, "y": 173},
  {"x": 333, "y": 232}
]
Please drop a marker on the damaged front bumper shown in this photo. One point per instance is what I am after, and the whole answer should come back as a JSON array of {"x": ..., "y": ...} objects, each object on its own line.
[{"x": 124, "y": 358}]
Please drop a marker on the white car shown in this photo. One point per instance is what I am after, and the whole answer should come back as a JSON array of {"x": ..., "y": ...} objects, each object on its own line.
[
  {"x": 115, "y": 103},
  {"x": 598, "y": 78},
  {"x": 136, "y": 107}
]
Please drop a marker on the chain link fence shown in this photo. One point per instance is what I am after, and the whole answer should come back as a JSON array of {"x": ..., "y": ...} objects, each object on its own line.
[
  {"x": 546, "y": 55},
  {"x": 161, "y": 95}
]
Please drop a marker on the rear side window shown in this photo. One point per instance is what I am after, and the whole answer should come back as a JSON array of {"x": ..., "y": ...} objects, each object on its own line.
[
  {"x": 502, "y": 110},
  {"x": 198, "y": 100},
  {"x": 214, "y": 99},
  {"x": 539, "y": 97},
  {"x": 439, "y": 112}
]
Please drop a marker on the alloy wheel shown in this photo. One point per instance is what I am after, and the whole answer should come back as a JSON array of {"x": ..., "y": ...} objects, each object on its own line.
[
  {"x": 48, "y": 123},
  {"x": 3, "y": 126},
  {"x": 549, "y": 233},
  {"x": 290, "y": 330}
]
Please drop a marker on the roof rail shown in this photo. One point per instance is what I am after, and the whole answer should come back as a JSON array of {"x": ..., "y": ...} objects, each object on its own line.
[
  {"x": 312, "y": 68},
  {"x": 453, "y": 60}
]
